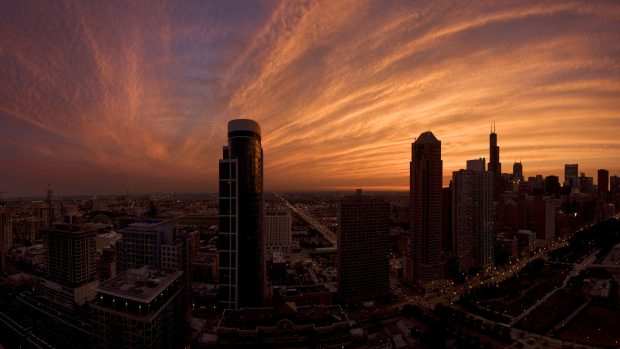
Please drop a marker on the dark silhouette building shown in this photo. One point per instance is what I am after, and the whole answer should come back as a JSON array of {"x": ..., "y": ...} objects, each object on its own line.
[
  {"x": 363, "y": 265},
  {"x": 517, "y": 171},
  {"x": 571, "y": 176},
  {"x": 241, "y": 217},
  {"x": 425, "y": 204},
  {"x": 472, "y": 217},
  {"x": 494, "y": 165},
  {"x": 552, "y": 185},
  {"x": 603, "y": 180}
]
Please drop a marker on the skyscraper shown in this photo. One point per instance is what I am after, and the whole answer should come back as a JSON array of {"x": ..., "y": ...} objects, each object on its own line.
[
  {"x": 494, "y": 165},
  {"x": 71, "y": 264},
  {"x": 277, "y": 231},
  {"x": 363, "y": 266},
  {"x": 603, "y": 180},
  {"x": 241, "y": 217},
  {"x": 425, "y": 208},
  {"x": 6, "y": 234},
  {"x": 571, "y": 175},
  {"x": 473, "y": 224},
  {"x": 517, "y": 171}
]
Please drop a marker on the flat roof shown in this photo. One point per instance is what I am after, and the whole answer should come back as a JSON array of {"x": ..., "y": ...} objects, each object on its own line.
[{"x": 140, "y": 285}]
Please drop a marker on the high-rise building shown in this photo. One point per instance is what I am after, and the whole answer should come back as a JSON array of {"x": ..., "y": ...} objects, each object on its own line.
[
  {"x": 473, "y": 224},
  {"x": 240, "y": 238},
  {"x": 586, "y": 184},
  {"x": 571, "y": 176},
  {"x": 494, "y": 165},
  {"x": 363, "y": 239},
  {"x": 541, "y": 218},
  {"x": 277, "y": 231},
  {"x": 71, "y": 253},
  {"x": 140, "y": 308},
  {"x": 614, "y": 184},
  {"x": 517, "y": 171},
  {"x": 552, "y": 185},
  {"x": 476, "y": 165},
  {"x": 71, "y": 271},
  {"x": 425, "y": 204},
  {"x": 6, "y": 234},
  {"x": 603, "y": 180},
  {"x": 150, "y": 243}
]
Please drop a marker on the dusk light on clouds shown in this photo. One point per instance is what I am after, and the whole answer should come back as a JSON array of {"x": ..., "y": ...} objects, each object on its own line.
[{"x": 108, "y": 96}]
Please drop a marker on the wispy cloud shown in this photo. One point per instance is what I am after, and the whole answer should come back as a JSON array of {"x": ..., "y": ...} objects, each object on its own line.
[{"x": 138, "y": 95}]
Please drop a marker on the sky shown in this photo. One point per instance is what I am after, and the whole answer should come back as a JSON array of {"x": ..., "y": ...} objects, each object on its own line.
[{"x": 109, "y": 96}]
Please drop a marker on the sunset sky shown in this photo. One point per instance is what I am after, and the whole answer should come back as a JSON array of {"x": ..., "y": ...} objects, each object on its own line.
[{"x": 105, "y": 96}]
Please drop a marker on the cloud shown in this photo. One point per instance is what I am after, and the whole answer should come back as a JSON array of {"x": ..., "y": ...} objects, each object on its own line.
[{"x": 136, "y": 94}]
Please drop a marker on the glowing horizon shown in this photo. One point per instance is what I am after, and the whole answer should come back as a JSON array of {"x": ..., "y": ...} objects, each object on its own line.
[{"x": 105, "y": 97}]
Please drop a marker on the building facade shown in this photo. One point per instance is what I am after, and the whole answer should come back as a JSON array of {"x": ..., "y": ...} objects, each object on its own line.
[
  {"x": 240, "y": 240},
  {"x": 425, "y": 209},
  {"x": 140, "y": 308},
  {"x": 473, "y": 224},
  {"x": 278, "y": 225},
  {"x": 363, "y": 238}
]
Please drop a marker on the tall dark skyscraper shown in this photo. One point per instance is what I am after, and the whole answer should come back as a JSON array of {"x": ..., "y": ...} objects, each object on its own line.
[
  {"x": 425, "y": 208},
  {"x": 603, "y": 180},
  {"x": 363, "y": 265},
  {"x": 472, "y": 217},
  {"x": 571, "y": 175},
  {"x": 241, "y": 217},
  {"x": 494, "y": 165},
  {"x": 517, "y": 171}
]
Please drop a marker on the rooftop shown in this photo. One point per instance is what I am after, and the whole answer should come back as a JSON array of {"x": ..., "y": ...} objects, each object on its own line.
[
  {"x": 426, "y": 137},
  {"x": 140, "y": 285},
  {"x": 251, "y": 318}
]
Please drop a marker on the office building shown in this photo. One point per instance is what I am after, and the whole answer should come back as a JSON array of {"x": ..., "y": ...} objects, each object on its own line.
[
  {"x": 240, "y": 238},
  {"x": 603, "y": 180},
  {"x": 140, "y": 308},
  {"x": 541, "y": 218},
  {"x": 71, "y": 270},
  {"x": 473, "y": 224},
  {"x": 425, "y": 209},
  {"x": 571, "y": 175},
  {"x": 552, "y": 185},
  {"x": 286, "y": 326},
  {"x": 363, "y": 238},
  {"x": 494, "y": 165},
  {"x": 150, "y": 243},
  {"x": 614, "y": 184},
  {"x": 278, "y": 225},
  {"x": 6, "y": 235},
  {"x": 517, "y": 171}
]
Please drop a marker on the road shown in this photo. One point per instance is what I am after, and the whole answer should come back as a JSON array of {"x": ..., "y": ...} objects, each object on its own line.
[{"x": 312, "y": 221}]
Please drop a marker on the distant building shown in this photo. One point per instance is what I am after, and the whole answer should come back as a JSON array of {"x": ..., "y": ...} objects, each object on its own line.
[
  {"x": 363, "y": 238},
  {"x": 494, "y": 165},
  {"x": 278, "y": 225},
  {"x": 614, "y": 184},
  {"x": 140, "y": 308},
  {"x": 571, "y": 176},
  {"x": 586, "y": 184},
  {"x": 517, "y": 171},
  {"x": 149, "y": 243},
  {"x": 476, "y": 165},
  {"x": 541, "y": 218},
  {"x": 286, "y": 326},
  {"x": 527, "y": 242},
  {"x": 6, "y": 234},
  {"x": 552, "y": 185},
  {"x": 473, "y": 222},
  {"x": 425, "y": 208},
  {"x": 603, "y": 180},
  {"x": 241, "y": 217}
]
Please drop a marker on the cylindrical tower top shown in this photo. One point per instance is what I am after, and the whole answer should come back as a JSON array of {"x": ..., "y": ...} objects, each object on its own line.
[{"x": 243, "y": 125}]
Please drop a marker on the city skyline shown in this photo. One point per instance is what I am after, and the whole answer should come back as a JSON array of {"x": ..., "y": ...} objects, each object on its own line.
[{"x": 97, "y": 102}]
